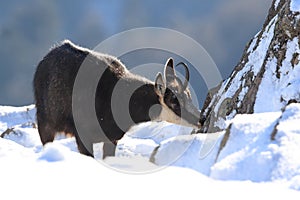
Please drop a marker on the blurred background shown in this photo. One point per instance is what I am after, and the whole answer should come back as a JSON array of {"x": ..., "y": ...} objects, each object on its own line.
[{"x": 29, "y": 28}]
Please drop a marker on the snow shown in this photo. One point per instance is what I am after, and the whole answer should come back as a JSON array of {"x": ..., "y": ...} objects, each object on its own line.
[
  {"x": 268, "y": 90},
  {"x": 250, "y": 153},
  {"x": 276, "y": 4},
  {"x": 80, "y": 177},
  {"x": 259, "y": 158},
  {"x": 295, "y": 5},
  {"x": 252, "y": 158},
  {"x": 53, "y": 152},
  {"x": 145, "y": 143},
  {"x": 10, "y": 116},
  {"x": 197, "y": 152},
  {"x": 279, "y": 90},
  {"x": 184, "y": 165},
  {"x": 288, "y": 137}
]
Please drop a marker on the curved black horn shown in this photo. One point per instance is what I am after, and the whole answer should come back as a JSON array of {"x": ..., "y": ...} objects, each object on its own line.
[{"x": 187, "y": 75}]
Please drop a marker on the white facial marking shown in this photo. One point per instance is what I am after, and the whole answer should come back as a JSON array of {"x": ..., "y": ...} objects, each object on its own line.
[{"x": 168, "y": 115}]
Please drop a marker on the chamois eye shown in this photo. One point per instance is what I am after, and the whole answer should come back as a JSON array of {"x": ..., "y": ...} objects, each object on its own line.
[
  {"x": 174, "y": 101},
  {"x": 173, "y": 97}
]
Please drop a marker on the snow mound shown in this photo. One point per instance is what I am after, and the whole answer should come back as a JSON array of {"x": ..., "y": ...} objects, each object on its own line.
[
  {"x": 54, "y": 152},
  {"x": 270, "y": 150},
  {"x": 147, "y": 136},
  {"x": 287, "y": 138},
  {"x": 197, "y": 152},
  {"x": 159, "y": 131},
  {"x": 251, "y": 159}
]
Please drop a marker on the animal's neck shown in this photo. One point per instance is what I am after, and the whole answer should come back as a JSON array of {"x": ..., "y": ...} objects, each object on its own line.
[{"x": 142, "y": 104}]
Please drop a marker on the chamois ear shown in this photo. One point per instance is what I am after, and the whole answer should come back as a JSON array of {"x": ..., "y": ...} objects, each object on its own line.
[
  {"x": 169, "y": 71},
  {"x": 160, "y": 85}
]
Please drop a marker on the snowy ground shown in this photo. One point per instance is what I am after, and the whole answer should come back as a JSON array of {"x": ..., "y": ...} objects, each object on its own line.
[{"x": 256, "y": 162}]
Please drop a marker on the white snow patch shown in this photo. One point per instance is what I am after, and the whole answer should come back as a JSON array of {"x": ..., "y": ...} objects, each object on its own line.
[
  {"x": 11, "y": 116},
  {"x": 220, "y": 123},
  {"x": 26, "y": 136},
  {"x": 267, "y": 95},
  {"x": 252, "y": 44},
  {"x": 129, "y": 147},
  {"x": 276, "y": 4}
]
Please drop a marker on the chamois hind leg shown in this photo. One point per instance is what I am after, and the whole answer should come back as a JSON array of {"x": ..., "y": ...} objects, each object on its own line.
[
  {"x": 46, "y": 133},
  {"x": 108, "y": 147},
  {"x": 81, "y": 147}
]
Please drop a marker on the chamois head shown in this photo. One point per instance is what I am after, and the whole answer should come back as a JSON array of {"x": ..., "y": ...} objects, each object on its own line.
[{"x": 175, "y": 97}]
